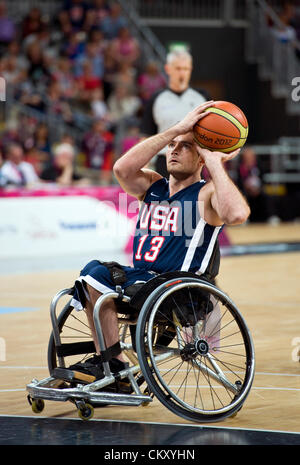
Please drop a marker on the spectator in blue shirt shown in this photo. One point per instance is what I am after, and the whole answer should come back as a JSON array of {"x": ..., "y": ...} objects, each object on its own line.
[{"x": 111, "y": 25}]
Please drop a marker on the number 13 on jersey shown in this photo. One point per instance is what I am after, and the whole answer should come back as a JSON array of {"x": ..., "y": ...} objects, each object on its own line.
[{"x": 151, "y": 255}]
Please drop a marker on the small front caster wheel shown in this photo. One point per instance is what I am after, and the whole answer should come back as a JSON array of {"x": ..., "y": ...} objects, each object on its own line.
[
  {"x": 37, "y": 405},
  {"x": 145, "y": 404},
  {"x": 86, "y": 412}
]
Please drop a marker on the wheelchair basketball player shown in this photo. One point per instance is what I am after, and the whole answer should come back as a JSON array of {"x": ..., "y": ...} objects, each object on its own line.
[{"x": 177, "y": 228}]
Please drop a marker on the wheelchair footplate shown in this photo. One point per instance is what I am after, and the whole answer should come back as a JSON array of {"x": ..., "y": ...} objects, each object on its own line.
[{"x": 68, "y": 385}]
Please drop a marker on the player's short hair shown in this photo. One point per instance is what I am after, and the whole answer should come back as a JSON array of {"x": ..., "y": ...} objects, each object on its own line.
[{"x": 175, "y": 54}]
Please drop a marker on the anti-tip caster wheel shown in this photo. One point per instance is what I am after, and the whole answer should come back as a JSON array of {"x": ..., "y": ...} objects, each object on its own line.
[
  {"x": 86, "y": 412},
  {"x": 37, "y": 405}
]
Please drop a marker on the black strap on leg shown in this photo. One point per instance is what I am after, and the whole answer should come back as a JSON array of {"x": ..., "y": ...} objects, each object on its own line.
[{"x": 111, "y": 352}]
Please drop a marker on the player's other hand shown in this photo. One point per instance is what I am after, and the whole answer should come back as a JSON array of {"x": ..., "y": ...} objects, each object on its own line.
[
  {"x": 213, "y": 157},
  {"x": 189, "y": 121}
]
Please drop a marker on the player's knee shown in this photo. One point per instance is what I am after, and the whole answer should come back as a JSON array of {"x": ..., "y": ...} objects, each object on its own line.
[{"x": 89, "y": 266}]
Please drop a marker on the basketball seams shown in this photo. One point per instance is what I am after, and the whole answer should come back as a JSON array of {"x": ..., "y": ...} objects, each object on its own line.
[
  {"x": 220, "y": 111},
  {"x": 219, "y": 133},
  {"x": 233, "y": 120}
]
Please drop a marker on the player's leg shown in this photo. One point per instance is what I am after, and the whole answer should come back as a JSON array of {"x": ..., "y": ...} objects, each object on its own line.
[{"x": 108, "y": 320}]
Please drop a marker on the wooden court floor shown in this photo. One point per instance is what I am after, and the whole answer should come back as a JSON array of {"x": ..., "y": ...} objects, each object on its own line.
[{"x": 266, "y": 289}]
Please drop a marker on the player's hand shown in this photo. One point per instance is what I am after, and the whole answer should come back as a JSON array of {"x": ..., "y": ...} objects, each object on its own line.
[
  {"x": 214, "y": 157},
  {"x": 189, "y": 121}
]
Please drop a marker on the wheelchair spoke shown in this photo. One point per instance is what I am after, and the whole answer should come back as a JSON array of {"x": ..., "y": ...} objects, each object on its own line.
[
  {"x": 184, "y": 381},
  {"x": 80, "y": 321},
  {"x": 212, "y": 391},
  {"x": 229, "y": 367},
  {"x": 191, "y": 300},
  {"x": 181, "y": 313},
  {"x": 198, "y": 390},
  {"x": 77, "y": 331}
]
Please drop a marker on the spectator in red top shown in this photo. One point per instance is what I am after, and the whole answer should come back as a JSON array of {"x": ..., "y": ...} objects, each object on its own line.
[
  {"x": 87, "y": 83},
  {"x": 98, "y": 149},
  {"x": 33, "y": 22}
]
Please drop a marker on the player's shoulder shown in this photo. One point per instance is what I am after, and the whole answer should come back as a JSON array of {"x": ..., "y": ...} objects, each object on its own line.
[
  {"x": 207, "y": 189},
  {"x": 157, "y": 187},
  {"x": 154, "y": 180}
]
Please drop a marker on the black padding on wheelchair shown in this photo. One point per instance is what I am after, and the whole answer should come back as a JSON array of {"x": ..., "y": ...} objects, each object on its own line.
[
  {"x": 88, "y": 347},
  {"x": 143, "y": 291},
  {"x": 75, "y": 348}
]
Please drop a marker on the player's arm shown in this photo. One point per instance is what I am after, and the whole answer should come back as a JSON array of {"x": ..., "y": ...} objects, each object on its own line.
[
  {"x": 223, "y": 202},
  {"x": 129, "y": 169}
]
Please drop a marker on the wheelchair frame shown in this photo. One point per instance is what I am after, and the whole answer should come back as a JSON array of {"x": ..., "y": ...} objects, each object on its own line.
[{"x": 197, "y": 355}]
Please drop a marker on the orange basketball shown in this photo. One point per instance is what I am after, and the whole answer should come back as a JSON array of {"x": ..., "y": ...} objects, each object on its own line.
[{"x": 224, "y": 129}]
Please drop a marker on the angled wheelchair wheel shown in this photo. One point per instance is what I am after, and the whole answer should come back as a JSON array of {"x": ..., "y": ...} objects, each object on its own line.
[
  {"x": 195, "y": 350},
  {"x": 76, "y": 339}
]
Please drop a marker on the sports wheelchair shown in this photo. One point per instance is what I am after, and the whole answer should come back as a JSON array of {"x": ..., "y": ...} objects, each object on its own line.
[{"x": 185, "y": 340}]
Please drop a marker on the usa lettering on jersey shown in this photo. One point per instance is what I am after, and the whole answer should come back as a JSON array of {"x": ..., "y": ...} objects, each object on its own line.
[{"x": 164, "y": 218}]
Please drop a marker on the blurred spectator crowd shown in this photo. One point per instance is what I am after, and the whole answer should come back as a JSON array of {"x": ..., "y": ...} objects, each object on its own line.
[
  {"x": 288, "y": 28},
  {"x": 85, "y": 68}
]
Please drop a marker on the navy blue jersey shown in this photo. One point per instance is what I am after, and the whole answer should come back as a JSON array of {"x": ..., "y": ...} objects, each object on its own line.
[{"x": 170, "y": 233}]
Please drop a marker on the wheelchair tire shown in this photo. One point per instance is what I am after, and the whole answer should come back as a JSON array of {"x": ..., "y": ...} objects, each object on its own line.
[{"x": 205, "y": 371}]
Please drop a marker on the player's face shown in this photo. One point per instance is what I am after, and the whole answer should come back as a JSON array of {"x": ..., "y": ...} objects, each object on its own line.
[
  {"x": 182, "y": 157},
  {"x": 179, "y": 72}
]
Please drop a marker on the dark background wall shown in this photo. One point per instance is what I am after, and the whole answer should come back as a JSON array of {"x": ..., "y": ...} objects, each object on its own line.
[{"x": 220, "y": 67}]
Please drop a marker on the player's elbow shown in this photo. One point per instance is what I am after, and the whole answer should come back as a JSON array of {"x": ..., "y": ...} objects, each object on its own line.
[
  {"x": 237, "y": 216},
  {"x": 119, "y": 170},
  {"x": 116, "y": 168}
]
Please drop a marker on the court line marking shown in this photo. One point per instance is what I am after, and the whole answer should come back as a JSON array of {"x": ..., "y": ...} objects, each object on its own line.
[
  {"x": 200, "y": 426},
  {"x": 11, "y": 367},
  {"x": 12, "y": 390},
  {"x": 10, "y": 310}
]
